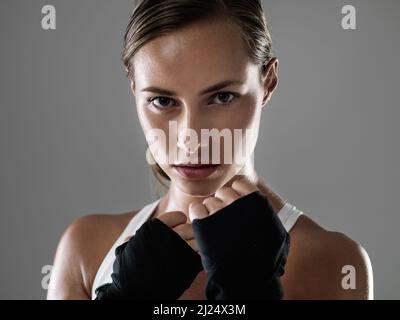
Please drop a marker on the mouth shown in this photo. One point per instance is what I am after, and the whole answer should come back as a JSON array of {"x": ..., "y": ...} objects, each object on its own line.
[{"x": 196, "y": 171}]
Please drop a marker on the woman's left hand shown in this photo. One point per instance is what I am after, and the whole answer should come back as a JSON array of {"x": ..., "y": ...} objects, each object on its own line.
[
  {"x": 242, "y": 243},
  {"x": 226, "y": 195}
]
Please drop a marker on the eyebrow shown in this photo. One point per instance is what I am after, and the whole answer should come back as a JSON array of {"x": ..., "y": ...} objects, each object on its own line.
[{"x": 212, "y": 88}]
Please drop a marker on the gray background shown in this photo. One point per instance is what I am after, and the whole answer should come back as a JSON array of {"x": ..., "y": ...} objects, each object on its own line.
[{"x": 71, "y": 143}]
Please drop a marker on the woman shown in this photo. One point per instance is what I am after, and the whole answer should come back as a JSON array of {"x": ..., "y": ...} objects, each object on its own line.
[{"x": 183, "y": 58}]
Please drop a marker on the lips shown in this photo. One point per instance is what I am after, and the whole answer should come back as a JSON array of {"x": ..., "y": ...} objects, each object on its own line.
[{"x": 196, "y": 171}]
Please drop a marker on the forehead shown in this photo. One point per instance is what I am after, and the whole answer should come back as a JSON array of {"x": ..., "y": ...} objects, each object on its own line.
[{"x": 198, "y": 53}]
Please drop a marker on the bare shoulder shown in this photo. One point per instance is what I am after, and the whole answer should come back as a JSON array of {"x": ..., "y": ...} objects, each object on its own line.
[
  {"x": 325, "y": 264},
  {"x": 80, "y": 251}
]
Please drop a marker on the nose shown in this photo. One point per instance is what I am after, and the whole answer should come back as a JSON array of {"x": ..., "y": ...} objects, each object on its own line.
[{"x": 189, "y": 130}]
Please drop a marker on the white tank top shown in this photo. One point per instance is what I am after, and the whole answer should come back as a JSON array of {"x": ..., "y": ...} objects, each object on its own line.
[{"x": 288, "y": 216}]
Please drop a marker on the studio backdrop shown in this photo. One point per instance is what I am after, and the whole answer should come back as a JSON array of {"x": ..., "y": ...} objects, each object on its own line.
[{"x": 72, "y": 145}]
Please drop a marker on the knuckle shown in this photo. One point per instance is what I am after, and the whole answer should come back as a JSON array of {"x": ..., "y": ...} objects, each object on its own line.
[
  {"x": 178, "y": 228},
  {"x": 236, "y": 184},
  {"x": 243, "y": 183},
  {"x": 179, "y": 217},
  {"x": 223, "y": 190},
  {"x": 196, "y": 205},
  {"x": 179, "y": 214},
  {"x": 208, "y": 200}
]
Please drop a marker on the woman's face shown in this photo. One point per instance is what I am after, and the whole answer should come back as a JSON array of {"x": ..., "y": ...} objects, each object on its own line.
[{"x": 172, "y": 73}]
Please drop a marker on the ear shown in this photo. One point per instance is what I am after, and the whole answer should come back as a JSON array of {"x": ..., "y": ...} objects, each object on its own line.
[
  {"x": 269, "y": 79},
  {"x": 133, "y": 87},
  {"x": 132, "y": 82}
]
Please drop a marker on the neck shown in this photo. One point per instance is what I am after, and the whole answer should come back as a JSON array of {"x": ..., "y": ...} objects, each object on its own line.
[{"x": 177, "y": 200}]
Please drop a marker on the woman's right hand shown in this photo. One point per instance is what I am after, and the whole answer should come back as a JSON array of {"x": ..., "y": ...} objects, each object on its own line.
[
  {"x": 159, "y": 262},
  {"x": 176, "y": 220}
]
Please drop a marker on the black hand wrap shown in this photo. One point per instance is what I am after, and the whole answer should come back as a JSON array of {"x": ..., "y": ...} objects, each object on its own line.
[
  {"x": 244, "y": 248},
  {"x": 154, "y": 264}
]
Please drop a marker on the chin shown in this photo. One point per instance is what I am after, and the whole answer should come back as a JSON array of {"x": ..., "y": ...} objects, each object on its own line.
[
  {"x": 199, "y": 188},
  {"x": 204, "y": 187}
]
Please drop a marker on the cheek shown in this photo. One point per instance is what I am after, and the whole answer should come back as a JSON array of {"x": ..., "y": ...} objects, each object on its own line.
[
  {"x": 244, "y": 114},
  {"x": 151, "y": 121},
  {"x": 242, "y": 120},
  {"x": 249, "y": 114},
  {"x": 247, "y": 119},
  {"x": 147, "y": 119},
  {"x": 155, "y": 130}
]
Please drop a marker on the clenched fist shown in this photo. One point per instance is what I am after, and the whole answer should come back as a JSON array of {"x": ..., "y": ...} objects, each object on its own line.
[
  {"x": 242, "y": 243},
  {"x": 222, "y": 197}
]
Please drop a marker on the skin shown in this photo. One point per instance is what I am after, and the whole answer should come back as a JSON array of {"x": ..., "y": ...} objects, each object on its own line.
[{"x": 316, "y": 257}]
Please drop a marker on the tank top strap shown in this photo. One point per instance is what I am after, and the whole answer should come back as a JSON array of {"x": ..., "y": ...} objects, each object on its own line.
[
  {"x": 289, "y": 215},
  {"x": 103, "y": 274}
]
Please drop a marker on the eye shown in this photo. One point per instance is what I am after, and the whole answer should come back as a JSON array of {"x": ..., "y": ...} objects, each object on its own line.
[
  {"x": 164, "y": 102},
  {"x": 225, "y": 97}
]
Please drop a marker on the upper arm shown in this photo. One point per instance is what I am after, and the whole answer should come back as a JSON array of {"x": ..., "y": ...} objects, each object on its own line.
[
  {"x": 329, "y": 265},
  {"x": 354, "y": 279},
  {"x": 66, "y": 280}
]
